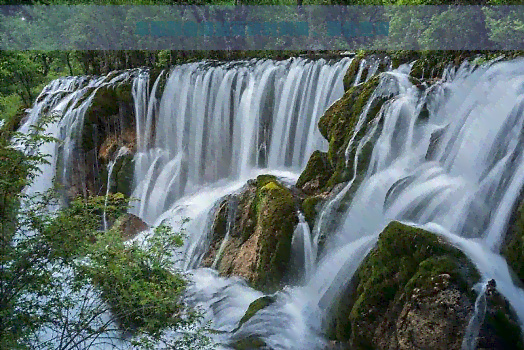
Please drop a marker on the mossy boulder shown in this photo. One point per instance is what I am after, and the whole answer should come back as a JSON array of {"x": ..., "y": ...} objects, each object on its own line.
[
  {"x": 218, "y": 230},
  {"x": 351, "y": 73},
  {"x": 317, "y": 173},
  {"x": 413, "y": 291},
  {"x": 338, "y": 124},
  {"x": 325, "y": 171},
  {"x": 311, "y": 207},
  {"x": 513, "y": 245},
  {"x": 367, "y": 60},
  {"x": 122, "y": 176},
  {"x": 259, "y": 245}
]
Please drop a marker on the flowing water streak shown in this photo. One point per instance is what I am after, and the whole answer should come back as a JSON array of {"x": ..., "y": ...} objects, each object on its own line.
[
  {"x": 122, "y": 151},
  {"x": 302, "y": 253},
  {"x": 220, "y": 121},
  {"x": 232, "y": 205}
]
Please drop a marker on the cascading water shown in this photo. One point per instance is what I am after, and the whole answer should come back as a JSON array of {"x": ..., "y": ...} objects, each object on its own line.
[
  {"x": 455, "y": 185},
  {"x": 216, "y": 125},
  {"x": 445, "y": 157},
  {"x": 222, "y": 121}
]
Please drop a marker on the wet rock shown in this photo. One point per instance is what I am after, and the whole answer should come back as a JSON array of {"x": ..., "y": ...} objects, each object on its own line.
[
  {"x": 414, "y": 291},
  {"x": 259, "y": 245},
  {"x": 109, "y": 125},
  {"x": 316, "y": 174},
  {"x": 311, "y": 207},
  {"x": 256, "y": 306},
  {"x": 513, "y": 244},
  {"x": 338, "y": 125},
  {"x": 218, "y": 229},
  {"x": 337, "y": 345},
  {"x": 129, "y": 226}
]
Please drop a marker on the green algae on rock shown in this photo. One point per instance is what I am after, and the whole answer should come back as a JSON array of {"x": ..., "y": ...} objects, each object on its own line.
[
  {"x": 338, "y": 124},
  {"x": 414, "y": 290},
  {"x": 255, "y": 307},
  {"x": 260, "y": 244},
  {"x": 316, "y": 174}
]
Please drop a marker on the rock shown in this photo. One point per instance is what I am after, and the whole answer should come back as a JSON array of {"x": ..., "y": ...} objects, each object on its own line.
[
  {"x": 414, "y": 291},
  {"x": 336, "y": 345},
  {"x": 337, "y": 125},
  {"x": 255, "y": 306},
  {"x": 316, "y": 174},
  {"x": 351, "y": 73},
  {"x": 109, "y": 125},
  {"x": 501, "y": 329},
  {"x": 219, "y": 230},
  {"x": 130, "y": 225},
  {"x": 325, "y": 171},
  {"x": 513, "y": 245},
  {"x": 259, "y": 245},
  {"x": 311, "y": 207}
]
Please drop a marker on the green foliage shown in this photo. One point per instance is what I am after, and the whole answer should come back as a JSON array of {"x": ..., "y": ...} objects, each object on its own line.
[
  {"x": 136, "y": 282},
  {"x": 60, "y": 274}
]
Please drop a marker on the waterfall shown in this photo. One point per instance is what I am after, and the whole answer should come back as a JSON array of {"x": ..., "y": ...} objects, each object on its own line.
[
  {"x": 445, "y": 158},
  {"x": 222, "y": 121},
  {"x": 456, "y": 186},
  {"x": 67, "y": 99}
]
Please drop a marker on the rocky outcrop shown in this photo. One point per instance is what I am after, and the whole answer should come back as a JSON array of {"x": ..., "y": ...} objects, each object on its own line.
[
  {"x": 324, "y": 171},
  {"x": 129, "y": 226},
  {"x": 414, "y": 291},
  {"x": 513, "y": 245},
  {"x": 261, "y": 227},
  {"x": 109, "y": 125}
]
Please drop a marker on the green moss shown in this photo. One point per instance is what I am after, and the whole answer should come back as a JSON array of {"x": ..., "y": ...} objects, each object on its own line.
[
  {"x": 104, "y": 111},
  {"x": 123, "y": 92},
  {"x": 276, "y": 220},
  {"x": 508, "y": 331},
  {"x": 249, "y": 343},
  {"x": 405, "y": 258},
  {"x": 318, "y": 168},
  {"x": 123, "y": 175},
  {"x": 310, "y": 208},
  {"x": 337, "y": 126},
  {"x": 262, "y": 180},
  {"x": 351, "y": 73},
  {"x": 256, "y": 306}
]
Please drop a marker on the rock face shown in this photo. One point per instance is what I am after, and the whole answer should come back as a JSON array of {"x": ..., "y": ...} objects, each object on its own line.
[
  {"x": 261, "y": 227},
  {"x": 513, "y": 245},
  {"x": 109, "y": 125},
  {"x": 338, "y": 126},
  {"x": 414, "y": 291},
  {"x": 130, "y": 225}
]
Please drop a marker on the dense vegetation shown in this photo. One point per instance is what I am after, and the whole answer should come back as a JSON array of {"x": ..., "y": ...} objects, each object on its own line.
[{"x": 65, "y": 283}]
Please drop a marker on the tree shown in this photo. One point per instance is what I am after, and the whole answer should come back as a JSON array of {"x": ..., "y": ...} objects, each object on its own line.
[{"x": 65, "y": 284}]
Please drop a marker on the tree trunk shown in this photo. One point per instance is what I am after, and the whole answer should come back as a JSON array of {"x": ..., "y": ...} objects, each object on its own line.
[{"x": 68, "y": 60}]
